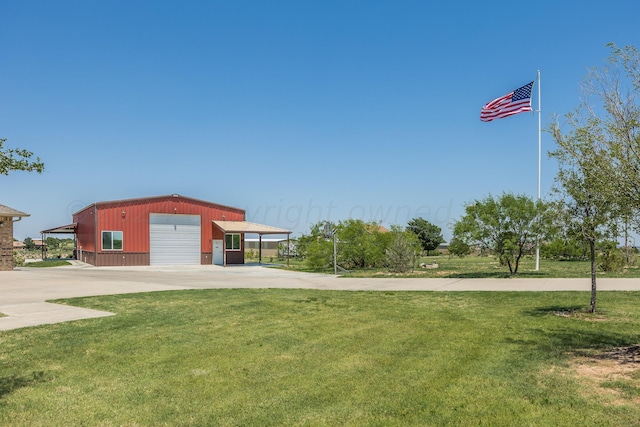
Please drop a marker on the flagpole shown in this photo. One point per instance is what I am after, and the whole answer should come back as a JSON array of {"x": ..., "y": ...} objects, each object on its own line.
[{"x": 539, "y": 160}]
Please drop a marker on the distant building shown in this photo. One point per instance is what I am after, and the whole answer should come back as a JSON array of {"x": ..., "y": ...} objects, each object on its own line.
[{"x": 269, "y": 246}]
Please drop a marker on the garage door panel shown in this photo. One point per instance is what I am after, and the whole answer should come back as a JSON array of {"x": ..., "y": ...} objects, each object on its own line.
[{"x": 174, "y": 239}]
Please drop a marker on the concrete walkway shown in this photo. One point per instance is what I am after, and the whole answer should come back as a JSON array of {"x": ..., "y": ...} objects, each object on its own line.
[{"x": 23, "y": 292}]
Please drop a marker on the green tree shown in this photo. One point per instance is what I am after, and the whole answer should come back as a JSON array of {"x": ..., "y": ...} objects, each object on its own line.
[
  {"x": 16, "y": 159},
  {"x": 429, "y": 235},
  {"x": 314, "y": 248},
  {"x": 611, "y": 110},
  {"x": 589, "y": 211},
  {"x": 29, "y": 244},
  {"x": 400, "y": 254},
  {"x": 360, "y": 244},
  {"x": 53, "y": 243},
  {"x": 598, "y": 155},
  {"x": 510, "y": 225}
]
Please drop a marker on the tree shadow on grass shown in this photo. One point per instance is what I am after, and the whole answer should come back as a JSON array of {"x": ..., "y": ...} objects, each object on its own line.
[
  {"x": 479, "y": 275},
  {"x": 494, "y": 275},
  {"x": 557, "y": 310},
  {"x": 578, "y": 335},
  {"x": 11, "y": 383}
]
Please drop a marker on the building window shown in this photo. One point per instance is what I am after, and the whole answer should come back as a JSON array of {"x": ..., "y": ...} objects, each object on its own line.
[
  {"x": 112, "y": 240},
  {"x": 232, "y": 242}
]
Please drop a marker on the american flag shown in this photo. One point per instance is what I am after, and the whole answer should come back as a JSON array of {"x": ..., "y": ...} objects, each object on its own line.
[{"x": 518, "y": 101}]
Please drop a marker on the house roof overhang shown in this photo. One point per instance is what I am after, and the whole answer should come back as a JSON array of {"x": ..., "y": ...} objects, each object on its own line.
[
  {"x": 248, "y": 227},
  {"x": 7, "y": 212}
]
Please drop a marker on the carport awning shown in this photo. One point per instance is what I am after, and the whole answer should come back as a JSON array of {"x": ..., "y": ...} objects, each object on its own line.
[
  {"x": 248, "y": 227},
  {"x": 64, "y": 229}
]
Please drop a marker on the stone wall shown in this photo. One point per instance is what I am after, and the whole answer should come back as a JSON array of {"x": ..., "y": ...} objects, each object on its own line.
[{"x": 6, "y": 244}]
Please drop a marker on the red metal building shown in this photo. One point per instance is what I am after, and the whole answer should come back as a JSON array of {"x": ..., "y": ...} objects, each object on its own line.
[{"x": 170, "y": 229}]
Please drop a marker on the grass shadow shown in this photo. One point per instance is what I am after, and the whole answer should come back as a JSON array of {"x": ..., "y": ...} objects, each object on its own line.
[
  {"x": 480, "y": 275},
  {"x": 11, "y": 383}
]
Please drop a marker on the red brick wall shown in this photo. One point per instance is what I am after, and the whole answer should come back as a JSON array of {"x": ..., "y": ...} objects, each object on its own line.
[{"x": 6, "y": 244}]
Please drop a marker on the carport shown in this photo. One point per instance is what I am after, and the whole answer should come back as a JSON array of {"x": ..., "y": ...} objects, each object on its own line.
[
  {"x": 244, "y": 227},
  {"x": 65, "y": 229}
]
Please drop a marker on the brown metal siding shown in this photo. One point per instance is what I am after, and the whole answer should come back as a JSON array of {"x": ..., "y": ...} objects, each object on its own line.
[
  {"x": 122, "y": 259},
  {"x": 235, "y": 257}
]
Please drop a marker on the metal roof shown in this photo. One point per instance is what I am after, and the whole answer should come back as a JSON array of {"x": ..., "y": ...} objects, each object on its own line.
[
  {"x": 143, "y": 200},
  {"x": 7, "y": 211},
  {"x": 64, "y": 229},
  {"x": 248, "y": 227}
]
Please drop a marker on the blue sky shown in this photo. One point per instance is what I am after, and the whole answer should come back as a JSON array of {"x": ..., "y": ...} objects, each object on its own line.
[{"x": 297, "y": 111}]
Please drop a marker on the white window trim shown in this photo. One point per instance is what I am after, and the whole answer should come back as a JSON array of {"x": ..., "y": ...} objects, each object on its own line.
[
  {"x": 239, "y": 241},
  {"x": 102, "y": 240}
]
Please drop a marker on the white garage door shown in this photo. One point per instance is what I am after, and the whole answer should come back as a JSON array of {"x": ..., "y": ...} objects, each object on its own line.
[{"x": 174, "y": 239}]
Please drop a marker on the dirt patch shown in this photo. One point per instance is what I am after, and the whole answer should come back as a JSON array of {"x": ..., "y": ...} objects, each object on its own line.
[
  {"x": 582, "y": 315},
  {"x": 612, "y": 376}
]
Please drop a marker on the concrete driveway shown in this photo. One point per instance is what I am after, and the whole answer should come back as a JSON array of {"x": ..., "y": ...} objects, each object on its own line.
[{"x": 24, "y": 291}]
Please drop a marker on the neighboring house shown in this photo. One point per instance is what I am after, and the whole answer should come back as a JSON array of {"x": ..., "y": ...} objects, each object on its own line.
[
  {"x": 7, "y": 217},
  {"x": 376, "y": 228},
  {"x": 39, "y": 243},
  {"x": 443, "y": 248},
  {"x": 18, "y": 245},
  {"x": 161, "y": 230}
]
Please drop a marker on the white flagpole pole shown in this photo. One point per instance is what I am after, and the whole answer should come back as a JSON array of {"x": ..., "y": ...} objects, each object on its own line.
[{"x": 539, "y": 160}]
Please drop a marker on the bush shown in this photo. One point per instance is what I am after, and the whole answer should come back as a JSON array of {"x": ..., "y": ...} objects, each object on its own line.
[
  {"x": 18, "y": 258},
  {"x": 400, "y": 255},
  {"x": 610, "y": 259},
  {"x": 561, "y": 249},
  {"x": 459, "y": 248}
]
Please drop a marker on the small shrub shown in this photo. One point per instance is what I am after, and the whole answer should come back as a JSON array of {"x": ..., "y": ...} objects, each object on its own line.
[
  {"x": 459, "y": 248},
  {"x": 400, "y": 255},
  {"x": 18, "y": 258},
  {"x": 611, "y": 259}
]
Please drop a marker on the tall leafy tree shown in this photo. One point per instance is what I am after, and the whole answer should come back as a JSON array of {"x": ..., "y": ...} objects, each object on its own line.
[
  {"x": 429, "y": 235},
  {"x": 589, "y": 208},
  {"x": 611, "y": 110},
  {"x": 509, "y": 225},
  {"x": 29, "y": 244},
  {"x": 16, "y": 159},
  {"x": 599, "y": 155}
]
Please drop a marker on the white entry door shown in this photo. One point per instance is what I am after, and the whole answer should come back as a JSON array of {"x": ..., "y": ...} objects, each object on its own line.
[{"x": 218, "y": 252}]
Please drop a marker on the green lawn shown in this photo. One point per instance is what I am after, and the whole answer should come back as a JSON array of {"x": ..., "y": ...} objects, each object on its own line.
[
  {"x": 48, "y": 263},
  {"x": 305, "y": 357},
  {"x": 474, "y": 266}
]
